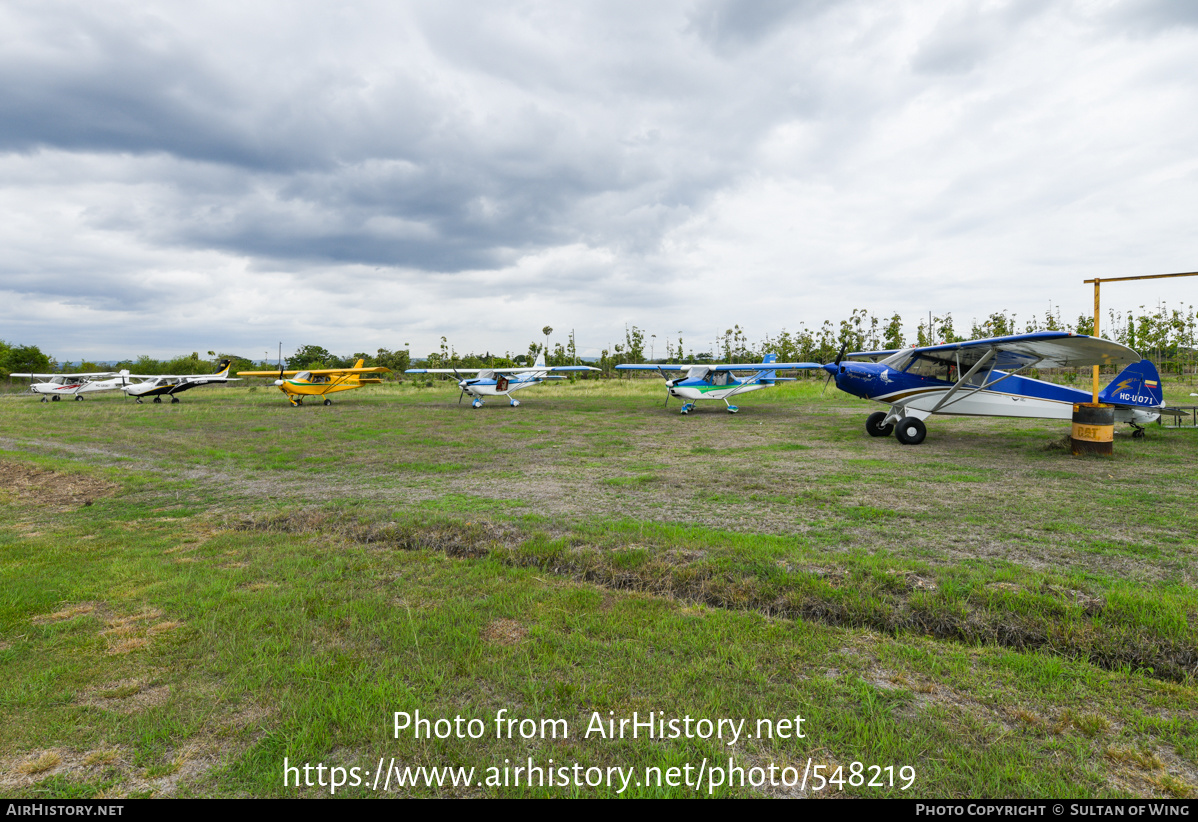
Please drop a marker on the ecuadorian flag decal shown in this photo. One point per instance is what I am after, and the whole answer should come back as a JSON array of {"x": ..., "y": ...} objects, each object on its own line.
[{"x": 1139, "y": 384}]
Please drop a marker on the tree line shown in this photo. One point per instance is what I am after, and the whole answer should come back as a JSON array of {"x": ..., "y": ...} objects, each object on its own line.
[{"x": 1167, "y": 336}]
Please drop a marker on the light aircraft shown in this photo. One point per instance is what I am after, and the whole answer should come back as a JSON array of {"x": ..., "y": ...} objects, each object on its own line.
[
  {"x": 319, "y": 382},
  {"x": 716, "y": 382},
  {"x": 982, "y": 378},
  {"x": 500, "y": 382},
  {"x": 159, "y": 386},
  {"x": 57, "y": 386}
]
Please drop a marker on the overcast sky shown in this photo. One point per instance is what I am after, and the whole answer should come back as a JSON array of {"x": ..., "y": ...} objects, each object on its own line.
[{"x": 224, "y": 176}]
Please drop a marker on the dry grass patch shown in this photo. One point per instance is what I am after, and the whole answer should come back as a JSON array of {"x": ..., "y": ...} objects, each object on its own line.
[
  {"x": 504, "y": 632},
  {"x": 51, "y": 488},
  {"x": 126, "y": 696},
  {"x": 43, "y": 762}
]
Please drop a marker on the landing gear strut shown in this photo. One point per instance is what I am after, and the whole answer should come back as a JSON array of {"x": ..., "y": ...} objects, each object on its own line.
[{"x": 1138, "y": 433}]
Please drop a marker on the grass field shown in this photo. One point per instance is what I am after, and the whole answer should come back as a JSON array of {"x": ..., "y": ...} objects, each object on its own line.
[{"x": 191, "y": 594}]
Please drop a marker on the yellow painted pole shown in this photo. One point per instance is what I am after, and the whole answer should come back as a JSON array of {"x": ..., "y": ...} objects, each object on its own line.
[
  {"x": 1096, "y": 281},
  {"x": 1094, "y": 398}
]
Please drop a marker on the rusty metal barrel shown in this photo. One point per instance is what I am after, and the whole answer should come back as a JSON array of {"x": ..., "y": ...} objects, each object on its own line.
[{"x": 1093, "y": 429}]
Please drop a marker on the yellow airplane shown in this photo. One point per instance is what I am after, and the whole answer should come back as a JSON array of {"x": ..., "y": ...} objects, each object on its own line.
[{"x": 321, "y": 381}]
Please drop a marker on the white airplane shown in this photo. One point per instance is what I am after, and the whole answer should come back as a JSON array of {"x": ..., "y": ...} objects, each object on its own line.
[
  {"x": 57, "y": 386},
  {"x": 982, "y": 378},
  {"x": 169, "y": 385},
  {"x": 500, "y": 382},
  {"x": 716, "y": 382}
]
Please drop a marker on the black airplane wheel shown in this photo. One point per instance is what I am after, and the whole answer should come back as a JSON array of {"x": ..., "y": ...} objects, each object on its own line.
[
  {"x": 174, "y": 400},
  {"x": 328, "y": 402},
  {"x": 78, "y": 398},
  {"x": 56, "y": 398},
  {"x": 911, "y": 431},
  {"x": 873, "y": 424},
  {"x": 45, "y": 399},
  {"x": 158, "y": 399}
]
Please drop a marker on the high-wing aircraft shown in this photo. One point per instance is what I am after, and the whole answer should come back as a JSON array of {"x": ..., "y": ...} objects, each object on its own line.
[
  {"x": 717, "y": 382},
  {"x": 57, "y": 386},
  {"x": 162, "y": 385},
  {"x": 500, "y": 382},
  {"x": 982, "y": 378},
  {"x": 319, "y": 382}
]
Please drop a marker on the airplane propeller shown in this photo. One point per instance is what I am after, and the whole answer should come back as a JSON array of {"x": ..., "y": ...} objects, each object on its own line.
[{"x": 835, "y": 363}]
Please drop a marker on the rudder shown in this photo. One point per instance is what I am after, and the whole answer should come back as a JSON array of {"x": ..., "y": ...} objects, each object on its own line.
[{"x": 1139, "y": 384}]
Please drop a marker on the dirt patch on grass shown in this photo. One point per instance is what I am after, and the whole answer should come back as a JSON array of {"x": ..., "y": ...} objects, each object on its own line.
[
  {"x": 504, "y": 632},
  {"x": 126, "y": 696},
  {"x": 51, "y": 488},
  {"x": 123, "y": 633}
]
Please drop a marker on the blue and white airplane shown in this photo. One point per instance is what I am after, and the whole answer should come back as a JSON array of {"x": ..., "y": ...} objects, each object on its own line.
[
  {"x": 982, "y": 378},
  {"x": 716, "y": 382},
  {"x": 500, "y": 382}
]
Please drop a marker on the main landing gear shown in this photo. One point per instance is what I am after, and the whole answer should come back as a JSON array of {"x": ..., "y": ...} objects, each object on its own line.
[
  {"x": 78, "y": 398},
  {"x": 515, "y": 403},
  {"x": 876, "y": 426},
  {"x": 328, "y": 402},
  {"x": 909, "y": 430},
  {"x": 732, "y": 409},
  {"x": 1138, "y": 433}
]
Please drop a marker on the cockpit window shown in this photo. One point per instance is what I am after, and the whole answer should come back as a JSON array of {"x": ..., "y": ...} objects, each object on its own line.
[{"x": 303, "y": 375}]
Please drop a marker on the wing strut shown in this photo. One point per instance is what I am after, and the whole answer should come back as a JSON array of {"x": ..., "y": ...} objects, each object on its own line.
[{"x": 985, "y": 358}]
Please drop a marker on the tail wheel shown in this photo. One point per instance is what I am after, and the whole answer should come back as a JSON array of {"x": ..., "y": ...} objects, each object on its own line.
[
  {"x": 874, "y": 426},
  {"x": 910, "y": 431}
]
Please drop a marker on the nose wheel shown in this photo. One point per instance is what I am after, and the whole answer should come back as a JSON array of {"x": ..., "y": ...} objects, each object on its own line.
[
  {"x": 687, "y": 407},
  {"x": 477, "y": 403}
]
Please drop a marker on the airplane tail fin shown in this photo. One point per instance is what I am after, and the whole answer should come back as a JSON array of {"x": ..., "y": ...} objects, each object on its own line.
[
  {"x": 1139, "y": 384},
  {"x": 222, "y": 370},
  {"x": 540, "y": 363},
  {"x": 768, "y": 376}
]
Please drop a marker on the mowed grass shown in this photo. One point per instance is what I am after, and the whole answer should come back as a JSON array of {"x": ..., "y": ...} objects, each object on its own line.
[{"x": 191, "y": 593}]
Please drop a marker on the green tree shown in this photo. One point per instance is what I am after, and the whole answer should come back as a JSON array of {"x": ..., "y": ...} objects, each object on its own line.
[
  {"x": 893, "y": 334},
  {"x": 23, "y": 359},
  {"x": 309, "y": 356}
]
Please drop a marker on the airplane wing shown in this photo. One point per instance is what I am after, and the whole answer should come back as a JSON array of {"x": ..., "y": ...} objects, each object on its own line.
[
  {"x": 748, "y": 366},
  {"x": 650, "y": 367},
  {"x": 1046, "y": 349},
  {"x": 340, "y": 372},
  {"x": 69, "y": 376},
  {"x": 873, "y": 356},
  {"x": 767, "y": 366},
  {"x": 524, "y": 369}
]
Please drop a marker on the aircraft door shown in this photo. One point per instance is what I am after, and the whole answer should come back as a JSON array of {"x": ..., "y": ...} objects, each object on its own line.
[{"x": 501, "y": 383}]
